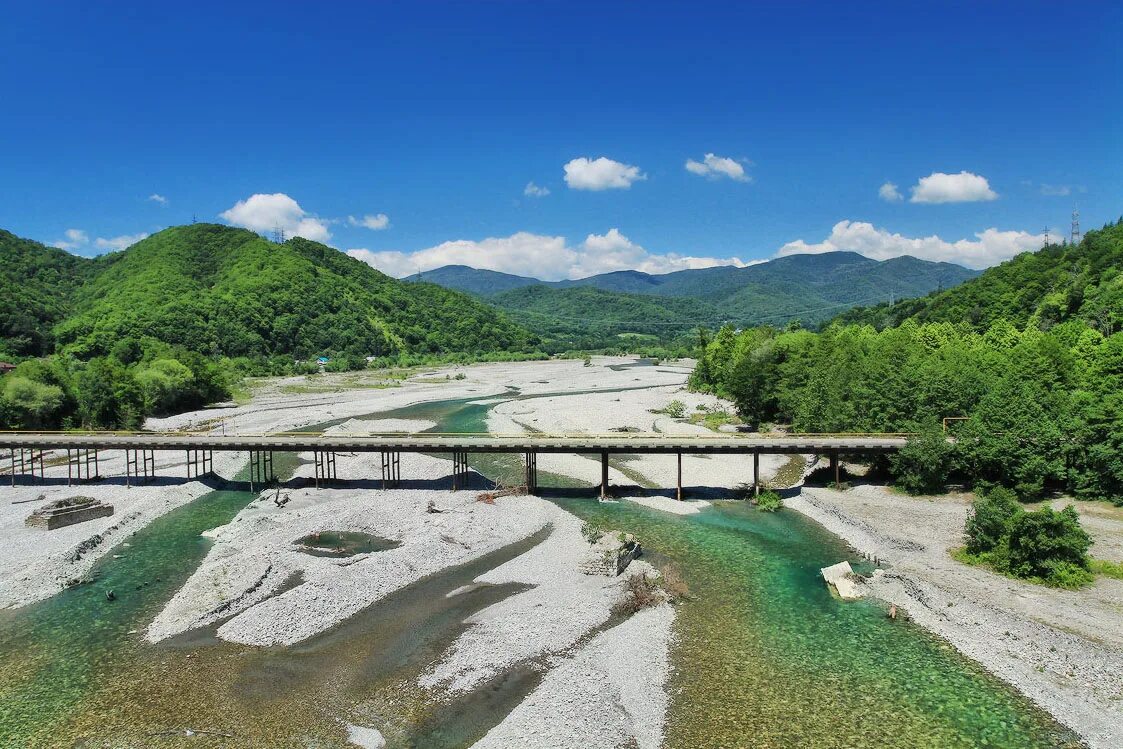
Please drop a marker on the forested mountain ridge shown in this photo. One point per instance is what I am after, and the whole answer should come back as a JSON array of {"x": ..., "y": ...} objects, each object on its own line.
[
  {"x": 809, "y": 288},
  {"x": 36, "y": 286},
  {"x": 1057, "y": 283},
  {"x": 1028, "y": 359},
  {"x": 223, "y": 291}
]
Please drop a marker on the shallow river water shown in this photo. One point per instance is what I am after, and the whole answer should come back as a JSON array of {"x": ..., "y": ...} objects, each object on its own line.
[{"x": 764, "y": 655}]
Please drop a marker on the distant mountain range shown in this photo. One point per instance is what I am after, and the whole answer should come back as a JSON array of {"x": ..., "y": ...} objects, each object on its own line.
[{"x": 810, "y": 288}]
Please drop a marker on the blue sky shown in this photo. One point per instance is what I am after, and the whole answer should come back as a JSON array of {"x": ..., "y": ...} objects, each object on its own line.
[{"x": 438, "y": 116}]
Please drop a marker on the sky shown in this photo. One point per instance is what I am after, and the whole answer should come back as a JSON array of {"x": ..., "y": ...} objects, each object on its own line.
[{"x": 563, "y": 139}]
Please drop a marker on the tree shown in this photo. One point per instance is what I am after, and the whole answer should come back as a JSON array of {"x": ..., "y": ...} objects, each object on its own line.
[
  {"x": 923, "y": 464},
  {"x": 1049, "y": 545},
  {"x": 988, "y": 526}
]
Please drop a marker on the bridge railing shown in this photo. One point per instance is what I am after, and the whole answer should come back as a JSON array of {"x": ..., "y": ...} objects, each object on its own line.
[{"x": 639, "y": 436}]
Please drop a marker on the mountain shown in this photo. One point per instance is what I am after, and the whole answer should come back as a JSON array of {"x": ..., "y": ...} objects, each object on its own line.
[
  {"x": 1057, "y": 283},
  {"x": 36, "y": 286},
  {"x": 585, "y": 317},
  {"x": 474, "y": 280},
  {"x": 809, "y": 288},
  {"x": 224, "y": 291}
]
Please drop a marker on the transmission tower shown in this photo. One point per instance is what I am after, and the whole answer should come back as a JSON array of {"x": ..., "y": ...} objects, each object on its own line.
[
  {"x": 1045, "y": 236},
  {"x": 1076, "y": 235}
]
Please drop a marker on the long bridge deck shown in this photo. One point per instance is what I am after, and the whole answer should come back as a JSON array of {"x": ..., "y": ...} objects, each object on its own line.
[{"x": 140, "y": 446}]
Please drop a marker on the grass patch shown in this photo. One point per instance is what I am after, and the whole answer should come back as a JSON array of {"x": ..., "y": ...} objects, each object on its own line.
[
  {"x": 789, "y": 474},
  {"x": 714, "y": 418},
  {"x": 1106, "y": 568}
]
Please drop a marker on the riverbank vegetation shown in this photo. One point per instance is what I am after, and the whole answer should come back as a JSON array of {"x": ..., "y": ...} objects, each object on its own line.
[
  {"x": 1033, "y": 403},
  {"x": 1043, "y": 545}
]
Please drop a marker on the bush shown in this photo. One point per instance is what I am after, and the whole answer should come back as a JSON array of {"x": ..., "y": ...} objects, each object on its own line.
[
  {"x": 989, "y": 523},
  {"x": 641, "y": 591},
  {"x": 592, "y": 531},
  {"x": 768, "y": 502},
  {"x": 676, "y": 409},
  {"x": 922, "y": 465},
  {"x": 1047, "y": 544}
]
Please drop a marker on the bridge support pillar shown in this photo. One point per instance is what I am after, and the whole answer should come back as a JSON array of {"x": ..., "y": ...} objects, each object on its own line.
[
  {"x": 678, "y": 485},
  {"x": 81, "y": 465},
  {"x": 531, "y": 473},
  {"x": 756, "y": 473},
  {"x": 835, "y": 469},
  {"x": 199, "y": 463},
  {"x": 25, "y": 464},
  {"x": 391, "y": 468},
  {"x": 140, "y": 464},
  {"x": 325, "y": 466},
  {"x": 261, "y": 468},
  {"x": 459, "y": 470},
  {"x": 604, "y": 474}
]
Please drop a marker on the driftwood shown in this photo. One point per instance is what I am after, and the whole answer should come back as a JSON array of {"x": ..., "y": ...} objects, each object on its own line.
[{"x": 502, "y": 490}]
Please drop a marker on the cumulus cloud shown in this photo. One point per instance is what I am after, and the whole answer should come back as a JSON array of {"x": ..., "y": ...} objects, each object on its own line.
[
  {"x": 534, "y": 191},
  {"x": 158, "y": 198},
  {"x": 75, "y": 238},
  {"x": 889, "y": 193},
  {"x": 267, "y": 213},
  {"x": 119, "y": 243},
  {"x": 964, "y": 187},
  {"x": 372, "y": 222},
  {"x": 989, "y": 247},
  {"x": 601, "y": 174},
  {"x": 716, "y": 167},
  {"x": 549, "y": 258}
]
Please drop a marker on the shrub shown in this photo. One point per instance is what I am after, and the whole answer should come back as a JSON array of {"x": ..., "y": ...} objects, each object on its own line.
[
  {"x": 641, "y": 591},
  {"x": 1048, "y": 544},
  {"x": 989, "y": 523},
  {"x": 676, "y": 409},
  {"x": 922, "y": 465},
  {"x": 768, "y": 502},
  {"x": 592, "y": 531}
]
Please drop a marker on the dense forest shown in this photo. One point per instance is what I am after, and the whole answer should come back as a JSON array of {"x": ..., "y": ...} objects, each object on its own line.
[
  {"x": 171, "y": 322},
  {"x": 1031, "y": 375}
]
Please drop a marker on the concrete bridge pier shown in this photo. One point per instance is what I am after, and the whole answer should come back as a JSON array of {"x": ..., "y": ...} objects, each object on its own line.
[
  {"x": 391, "y": 468},
  {"x": 678, "y": 484},
  {"x": 325, "y": 466},
  {"x": 459, "y": 470},
  {"x": 756, "y": 473},
  {"x": 139, "y": 464},
  {"x": 835, "y": 469},
  {"x": 604, "y": 474},
  {"x": 199, "y": 463},
  {"x": 81, "y": 465},
  {"x": 261, "y": 468},
  {"x": 531, "y": 472},
  {"x": 28, "y": 458}
]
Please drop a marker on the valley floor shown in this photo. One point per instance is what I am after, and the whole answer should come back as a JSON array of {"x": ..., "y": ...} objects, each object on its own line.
[{"x": 603, "y": 679}]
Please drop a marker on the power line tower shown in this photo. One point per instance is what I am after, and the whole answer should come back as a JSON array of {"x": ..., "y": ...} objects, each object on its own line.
[
  {"x": 1045, "y": 237},
  {"x": 1076, "y": 235}
]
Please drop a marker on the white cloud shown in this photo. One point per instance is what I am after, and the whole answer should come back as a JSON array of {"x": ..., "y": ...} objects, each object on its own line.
[
  {"x": 889, "y": 193},
  {"x": 534, "y": 191},
  {"x": 1056, "y": 190},
  {"x": 372, "y": 222},
  {"x": 716, "y": 167},
  {"x": 119, "y": 243},
  {"x": 964, "y": 187},
  {"x": 989, "y": 247},
  {"x": 541, "y": 256},
  {"x": 158, "y": 198},
  {"x": 601, "y": 174},
  {"x": 267, "y": 213},
  {"x": 75, "y": 238}
]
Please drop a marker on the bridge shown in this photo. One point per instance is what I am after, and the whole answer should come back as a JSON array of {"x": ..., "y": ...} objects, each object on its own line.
[{"x": 27, "y": 450}]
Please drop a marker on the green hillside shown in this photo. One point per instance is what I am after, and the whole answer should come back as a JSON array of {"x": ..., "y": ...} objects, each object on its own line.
[
  {"x": 36, "y": 286},
  {"x": 1058, "y": 283},
  {"x": 224, "y": 291},
  {"x": 584, "y": 317}
]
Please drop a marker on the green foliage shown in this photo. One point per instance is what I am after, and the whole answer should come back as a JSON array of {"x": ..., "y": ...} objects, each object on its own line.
[
  {"x": 988, "y": 526},
  {"x": 676, "y": 409},
  {"x": 592, "y": 531},
  {"x": 1106, "y": 568},
  {"x": 1044, "y": 545},
  {"x": 769, "y": 501},
  {"x": 923, "y": 464}
]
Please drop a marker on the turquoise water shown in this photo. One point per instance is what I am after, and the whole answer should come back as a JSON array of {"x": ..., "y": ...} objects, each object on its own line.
[{"x": 764, "y": 656}]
